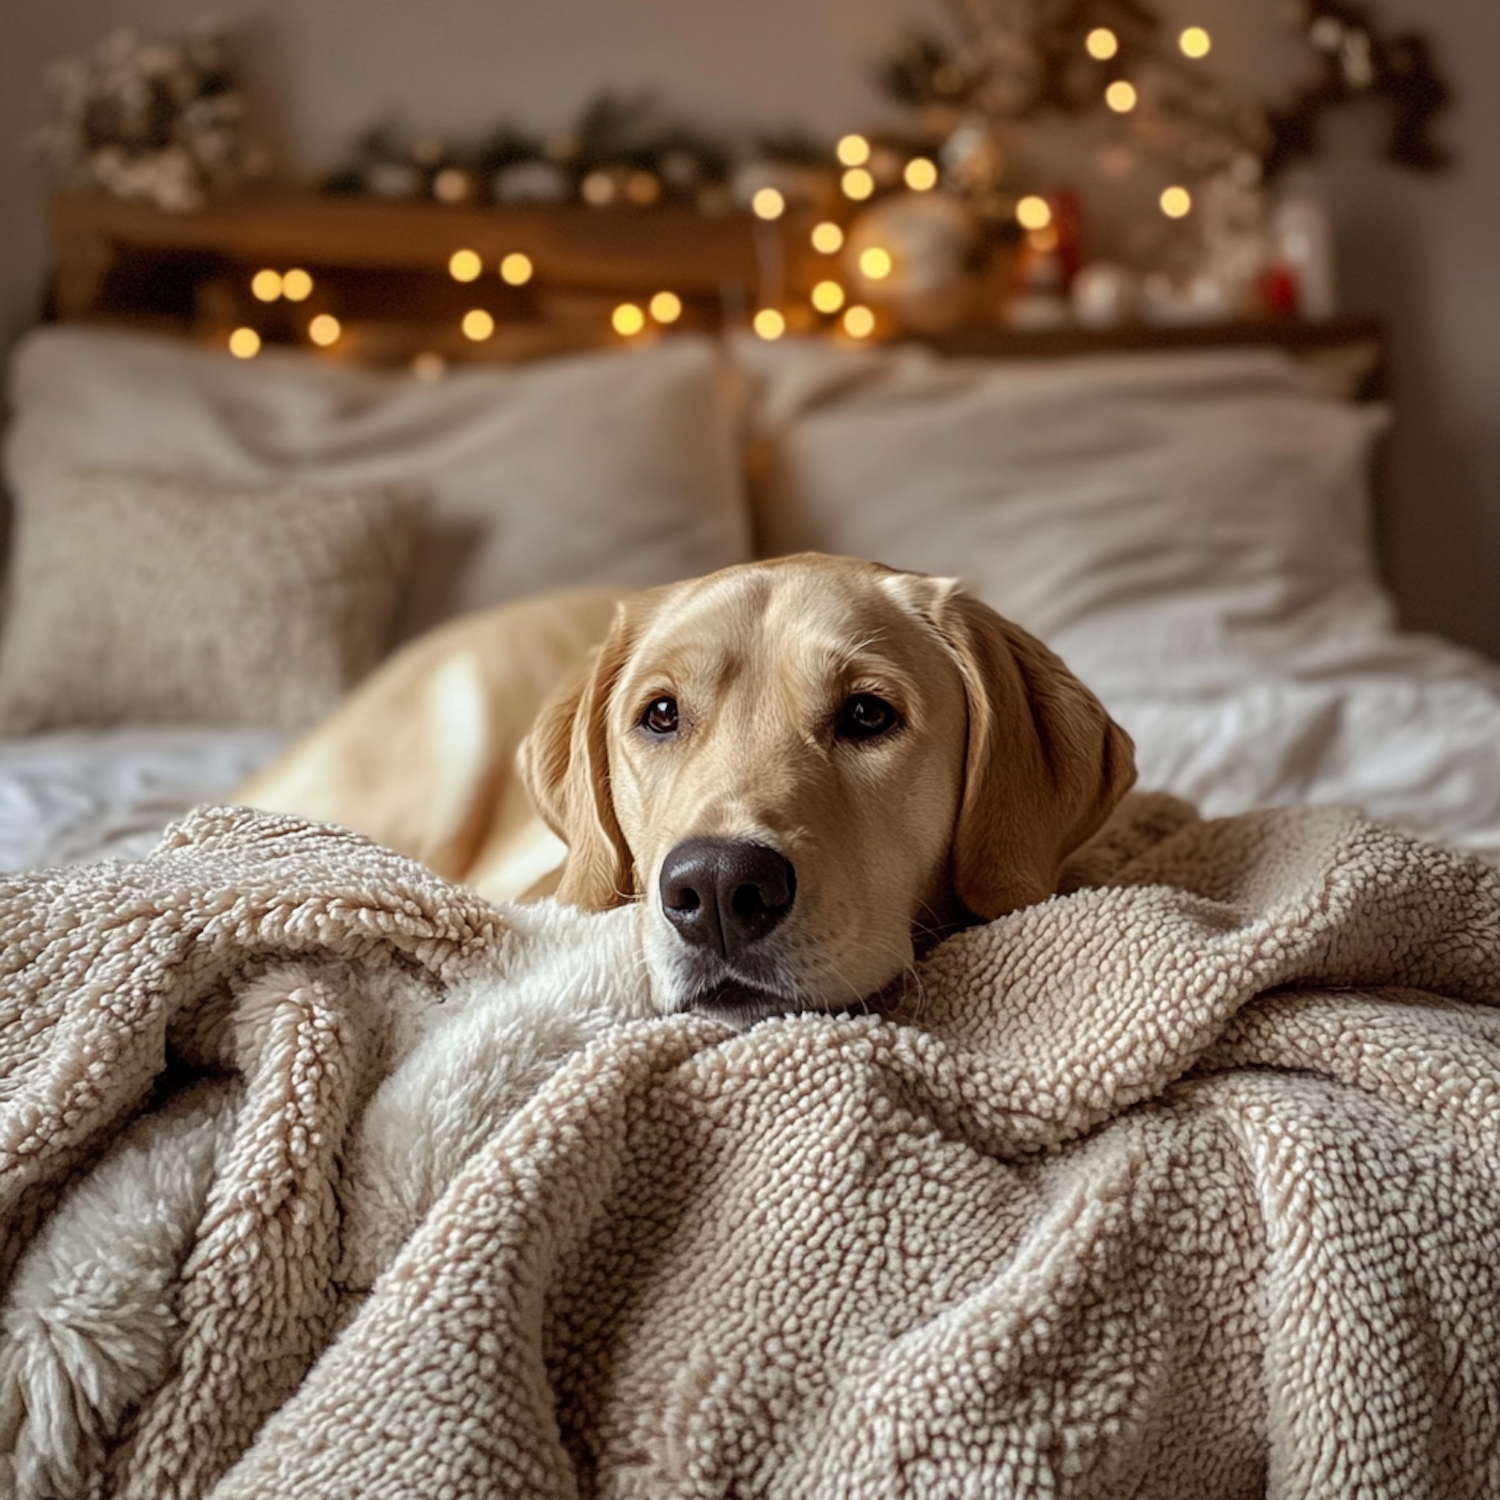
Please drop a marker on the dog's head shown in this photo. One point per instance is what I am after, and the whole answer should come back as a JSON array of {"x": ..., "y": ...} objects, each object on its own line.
[{"x": 801, "y": 766}]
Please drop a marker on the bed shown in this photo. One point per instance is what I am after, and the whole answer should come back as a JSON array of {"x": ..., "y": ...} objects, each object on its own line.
[{"x": 1181, "y": 1183}]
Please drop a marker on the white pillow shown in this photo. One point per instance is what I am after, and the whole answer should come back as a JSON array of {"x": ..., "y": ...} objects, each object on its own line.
[
  {"x": 615, "y": 467},
  {"x": 1164, "y": 518}
]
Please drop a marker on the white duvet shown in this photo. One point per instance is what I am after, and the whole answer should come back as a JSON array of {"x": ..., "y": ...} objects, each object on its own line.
[{"x": 1406, "y": 728}]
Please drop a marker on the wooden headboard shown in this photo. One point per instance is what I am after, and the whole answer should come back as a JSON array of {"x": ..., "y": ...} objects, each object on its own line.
[{"x": 382, "y": 269}]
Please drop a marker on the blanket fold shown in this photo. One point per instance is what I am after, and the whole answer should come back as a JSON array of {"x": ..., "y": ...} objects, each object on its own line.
[{"x": 1185, "y": 1182}]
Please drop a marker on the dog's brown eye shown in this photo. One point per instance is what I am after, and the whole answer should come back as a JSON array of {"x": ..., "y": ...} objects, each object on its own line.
[
  {"x": 864, "y": 716},
  {"x": 661, "y": 716}
]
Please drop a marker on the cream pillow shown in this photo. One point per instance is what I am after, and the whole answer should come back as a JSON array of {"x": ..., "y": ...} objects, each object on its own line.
[
  {"x": 1162, "y": 520},
  {"x": 137, "y": 598},
  {"x": 618, "y": 467}
]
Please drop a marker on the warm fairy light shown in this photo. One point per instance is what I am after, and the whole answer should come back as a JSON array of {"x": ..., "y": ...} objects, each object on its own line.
[
  {"x": 429, "y": 366},
  {"x": 859, "y": 322},
  {"x": 858, "y": 184},
  {"x": 598, "y": 188},
  {"x": 478, "y": 325},
  {"x": 628, "y": 319},
  {"x": 244, "y": 343},
  {"x": 1120, "y": 96},
  {"x": 767, "y": 204},
  {"x": 1195, "y": 42},
  {"x": 265, "y": 286},
  {"x": 921, "y": 174},
  {"x": 827, "y": 238},
  {"x": 875, "y": 263},
  {"x": 643, "y": 188},
  {"x": 1033, "y": 213},
  {"x": 516, "y": 269},
  {"x": 828, "y": 296},
  {"x": 853, "y": 150},
  {"x": 1043, "y": 241},
  {"x": 1102, "y": 43},
  {"x": 769, "y": 323},
  {"x": 1176, "y": 202},
  {"x": 666, "y": 307},
  {"x": 324, "y": 330},
  {"x": 296, "y": 285},
  {"x": 465, "y": 265}
]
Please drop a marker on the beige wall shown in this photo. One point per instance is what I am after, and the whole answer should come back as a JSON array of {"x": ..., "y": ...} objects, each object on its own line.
[{"x": 1423, "y": 252}]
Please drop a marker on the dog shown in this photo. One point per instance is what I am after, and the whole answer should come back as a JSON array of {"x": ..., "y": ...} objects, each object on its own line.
[{"x": 799, "y": 772}]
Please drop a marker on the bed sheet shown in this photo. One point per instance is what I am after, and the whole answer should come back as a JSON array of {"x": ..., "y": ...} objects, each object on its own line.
[{"x": 107, "y": 794}]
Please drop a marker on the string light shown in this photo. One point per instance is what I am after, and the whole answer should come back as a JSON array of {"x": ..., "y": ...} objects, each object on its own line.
[
  {"x": 598, "y": 188},
  {"x": 465, "y": 265},
  {"x": 1176, "y": 202},
  {"x": 324, "y": 330},
  {"x": 516, "y": 269},
  {"x": 429, "y": 366},
  {"x": 478, "y": 325},
  {"x": 1121, "y": 96},
  {"x": 827, "y": 238},
  {"x": 921, "y": 175},
  {"x": 666, "y": 307},
  {"x": 859, "y": 322},
  {"x": 875, "y": 263},
  {"x": 244, "y": 343},
  {"x": 768, "y": 204},
  {"x": 296, "y": 285},
  {"x": 452, "y": 185},
  {"x": 628, "y": 319},
  {"x": 1033, "y": 212},
  {"x": 1044, "y": 241},
  {"x": 265, "y": 286},
  {"x": 853, "y": 150},
  {"x": 828, "y": 296},
  {"x": 1195, "y": 42},
  {"x": 1102, "y": 43},
  {"x": 642, "y": 188},
  {"x": 769, "y": 324},
  {"x": 857, "y": 184}
]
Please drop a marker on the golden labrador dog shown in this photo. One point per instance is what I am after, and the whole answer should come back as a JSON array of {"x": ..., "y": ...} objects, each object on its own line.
[{"x": 800, "y": 771}]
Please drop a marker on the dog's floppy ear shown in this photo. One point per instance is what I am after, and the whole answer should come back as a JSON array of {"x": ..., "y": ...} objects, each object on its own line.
[
  {"x": 1044, "y": 765},
  {"x": 564, "y": 761}
]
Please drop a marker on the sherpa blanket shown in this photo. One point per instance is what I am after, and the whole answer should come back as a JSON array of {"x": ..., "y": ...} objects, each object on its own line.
[{"x": 323, "y": 1178}]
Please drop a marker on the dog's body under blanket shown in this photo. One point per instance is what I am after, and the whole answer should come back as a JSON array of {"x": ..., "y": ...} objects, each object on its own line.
[{"x": 1184, "y": 1183}]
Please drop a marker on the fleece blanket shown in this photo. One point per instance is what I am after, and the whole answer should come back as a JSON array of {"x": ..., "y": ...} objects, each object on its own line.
[{"x": 321, "y": 1177}]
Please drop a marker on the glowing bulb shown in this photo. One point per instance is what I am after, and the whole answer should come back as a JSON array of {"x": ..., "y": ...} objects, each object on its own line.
[
  {"x": 769, "y": 323},
  {"x": 642, "y": 188},
  {"x": 478, "y": 325},
  {"x": 266, "y": 286},
  {"x": 429, "y": 366},
  {"x": 324, "y": 330},
  {"x": 828, "y": 296},
  {"x": 1176, "y": 202},
  {"x": 1120, "y": 96},
  {"x": 465, "y": 265},
  {"x": 1033, "y": 213},
  {"x": 859, "y": 322},
  {"x": 827, "y": 238},
  {"x": 296, "y": 286},
  {"x": 875, "y": 263},
  {"x": 598, "y": 189},
  {"x": 1044, "y": 241},
  {"x": 853, "y": 150},
  {"x": 1102, "y": 43},
  {"x": 921, "y": 174},
  {"x": 666, "y": 307},
  {"x": 244, "y": 343},
  {"x": 628, "y": 319},
  {"x": 1195, "y": 42},
  {"x": 516, "y": 269},
  {"x": 858, "y": 184},
  {"x": 767, "y": 204}
]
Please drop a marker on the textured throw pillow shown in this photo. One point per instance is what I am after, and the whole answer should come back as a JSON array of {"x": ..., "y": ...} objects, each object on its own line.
[
  {"x": 1158, "y": 518},
  {"x": 618, "y": 467},
  {"x": 136, "y": 598}
]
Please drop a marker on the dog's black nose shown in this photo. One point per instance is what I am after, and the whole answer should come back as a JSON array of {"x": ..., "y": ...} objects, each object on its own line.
[{"x": 725, "y": 894}]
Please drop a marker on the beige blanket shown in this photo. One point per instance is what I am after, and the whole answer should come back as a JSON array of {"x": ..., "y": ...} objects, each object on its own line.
[{"x": 320, "y": 1177}]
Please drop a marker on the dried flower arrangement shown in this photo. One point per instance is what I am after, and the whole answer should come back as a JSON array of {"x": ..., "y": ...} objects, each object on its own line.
[{"x": 159, "y": 121}]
